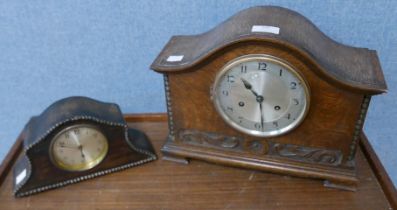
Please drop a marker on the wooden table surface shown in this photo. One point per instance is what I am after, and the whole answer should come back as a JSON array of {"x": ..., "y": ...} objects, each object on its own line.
[{"x": 167, "y": 185}]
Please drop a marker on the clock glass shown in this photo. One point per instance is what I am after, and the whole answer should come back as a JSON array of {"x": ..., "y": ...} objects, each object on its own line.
[
  {"x": 261, "y": 95},
  {"x": 79, "y": 147}
]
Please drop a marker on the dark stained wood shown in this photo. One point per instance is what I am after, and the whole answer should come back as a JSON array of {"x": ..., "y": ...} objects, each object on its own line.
[
  {"x": 355, "y": 68},
  {"x": 45, "y": 173},
  {"x": 40, "y": 171},
  {"x": 199, "y": 185},
  {"x": 13, "y": 154}
]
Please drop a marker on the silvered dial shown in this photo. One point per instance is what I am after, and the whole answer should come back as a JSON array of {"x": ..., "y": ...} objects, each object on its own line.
[
  {"x": 261, "y": 95},
  {"x": 78, "y": 148}
]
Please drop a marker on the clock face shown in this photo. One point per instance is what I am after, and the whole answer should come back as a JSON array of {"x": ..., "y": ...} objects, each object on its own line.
[
  {"x": 79, "y": 147},
  {"x": 261, "y": 95}
]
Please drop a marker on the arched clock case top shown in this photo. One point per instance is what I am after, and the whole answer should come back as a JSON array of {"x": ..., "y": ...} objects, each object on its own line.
[{"x": 341, "y": 80}]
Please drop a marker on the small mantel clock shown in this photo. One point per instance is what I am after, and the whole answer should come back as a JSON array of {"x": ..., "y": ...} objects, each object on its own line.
[
  {"x": 267, "y": 90},
  {"x": 76, "y": 139}
]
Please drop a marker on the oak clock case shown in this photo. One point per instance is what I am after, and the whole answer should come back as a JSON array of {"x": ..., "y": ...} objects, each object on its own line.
[
  {"x": 267, "y": 90},
  {"x": 76, "y": 139}
]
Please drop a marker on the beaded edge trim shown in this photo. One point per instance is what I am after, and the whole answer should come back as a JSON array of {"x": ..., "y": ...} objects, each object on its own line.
[
  {"x": 81, "y": 178},
  {"x": 171, "y": 134},
  {"x": 359, "y": 126}
]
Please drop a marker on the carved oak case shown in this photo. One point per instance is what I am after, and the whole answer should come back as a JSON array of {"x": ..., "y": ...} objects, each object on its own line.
[{"x": 317, "y": 139}]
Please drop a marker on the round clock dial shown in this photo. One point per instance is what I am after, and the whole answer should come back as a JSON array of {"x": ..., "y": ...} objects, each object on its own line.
[
  {"x": 79, "y": 147},
  {"x": 261, "y": 95}
]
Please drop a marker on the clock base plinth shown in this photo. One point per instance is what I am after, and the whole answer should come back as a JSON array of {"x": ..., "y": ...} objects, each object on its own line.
[{"x": 343, "y": 178}]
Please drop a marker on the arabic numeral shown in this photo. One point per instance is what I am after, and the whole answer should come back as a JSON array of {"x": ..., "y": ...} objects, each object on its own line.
[
  {"x": 240, "y": 119},
  {"x": 292, "y": 85},
  {"x": 243, "y": 69},
  {"x": 262, "y": 66},
  {"x": 76, "y": 131},
  {"x": 258, "y": 126},
  {"x": 289, "y": 116},
  {"x": 230, "y": 78}
]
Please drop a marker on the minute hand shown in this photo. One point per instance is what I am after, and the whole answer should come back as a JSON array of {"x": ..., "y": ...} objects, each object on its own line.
[
  {"x": 261, "y": 110},
  {"x": 249, "y": 86}
]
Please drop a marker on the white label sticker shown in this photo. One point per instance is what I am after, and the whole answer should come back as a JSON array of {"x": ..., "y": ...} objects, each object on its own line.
[
  {"x": 175, "y": 58},
  {"x": 20, "y": 176},
  {"x": 265, "y": 29}
]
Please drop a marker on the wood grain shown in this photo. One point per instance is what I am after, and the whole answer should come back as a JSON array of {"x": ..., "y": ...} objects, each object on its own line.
[{"x": 199, "y": 185}]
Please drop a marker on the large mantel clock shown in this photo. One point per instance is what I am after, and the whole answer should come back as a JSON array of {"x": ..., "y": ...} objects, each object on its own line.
[{"x": 268, "y": 90}]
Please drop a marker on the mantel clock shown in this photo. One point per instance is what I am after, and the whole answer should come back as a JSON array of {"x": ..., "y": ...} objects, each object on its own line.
[
  {"x": 267, "y": 90},
  {"x": 76, "y": 139}
]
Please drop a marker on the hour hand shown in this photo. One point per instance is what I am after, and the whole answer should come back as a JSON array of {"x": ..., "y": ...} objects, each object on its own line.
[
  {"x": 248, "y": 86},
  {"x": 82, "y": 153},
  {"x": 68, "y": 147}
]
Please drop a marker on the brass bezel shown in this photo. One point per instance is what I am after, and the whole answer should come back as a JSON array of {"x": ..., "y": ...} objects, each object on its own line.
[{"x": 83, "y": 166}]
